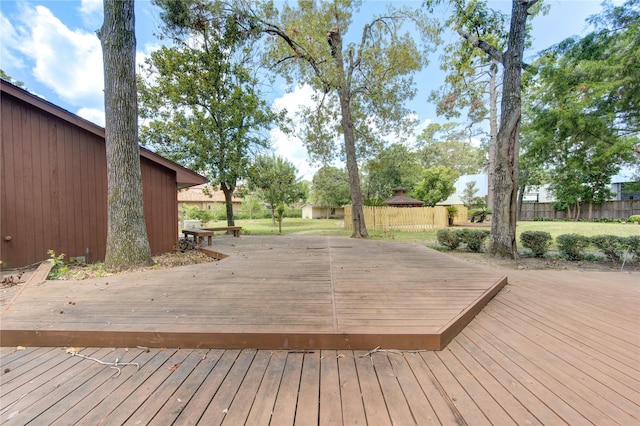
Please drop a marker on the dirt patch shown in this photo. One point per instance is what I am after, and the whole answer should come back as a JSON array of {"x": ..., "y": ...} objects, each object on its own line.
[{"x": 543, "y": 263}]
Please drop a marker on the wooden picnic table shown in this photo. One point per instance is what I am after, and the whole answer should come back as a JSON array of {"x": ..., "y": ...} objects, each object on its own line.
[
  {"x": 199, "y": 235},
  {"x": 235, "y": 230}
]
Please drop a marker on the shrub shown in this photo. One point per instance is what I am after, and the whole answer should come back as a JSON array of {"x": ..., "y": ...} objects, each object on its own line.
[
  {"x": 449, "y": 238},
  {"x": 611, "y": 245},
  {"x": 536, "y": 241},
  {"x": 59, "y": 268},
  {"x": 474, "y": 238},
  {"x": 572, "y": 245},
  {"x": 634, "y": 218},
  {"x": 633, "y": 245}
]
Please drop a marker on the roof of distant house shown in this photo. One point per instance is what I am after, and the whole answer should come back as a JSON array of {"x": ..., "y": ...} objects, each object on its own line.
[{"x": 196, "y": 194}]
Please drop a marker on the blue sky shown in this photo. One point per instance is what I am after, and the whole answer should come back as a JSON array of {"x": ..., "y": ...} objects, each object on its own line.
[{"x": 51, "y": 46}]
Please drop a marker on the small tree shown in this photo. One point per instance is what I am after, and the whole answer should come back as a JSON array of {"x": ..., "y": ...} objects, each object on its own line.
[
  {"x": 436, "y": 185},
  {"x": 274, "y": 180},
  {"x": 330, "y": 187}
]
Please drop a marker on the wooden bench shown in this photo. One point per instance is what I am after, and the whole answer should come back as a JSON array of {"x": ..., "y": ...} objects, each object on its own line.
[
  {"x": 235, "y": 230},
  {"x": 199, "y": 235}
]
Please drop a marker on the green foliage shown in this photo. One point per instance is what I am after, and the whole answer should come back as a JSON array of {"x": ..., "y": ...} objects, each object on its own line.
[
  {"x": 447, "y": 145},
  {"x": 59, "y": 268},
  {"x": 452, "y": 211},
  {"x": 449, "y": 238},
  {"x": 634, "y": 218},
  {"x": 200, "y": 94},
  {"x": 612, "y": 246},
  {"x": 582, "y": 114},
  {"x": 633, "y": 245},
  {"x": 572, "y": 245},
  {"x": 436, "y": 184},
  {"x": 330, "y": 187},
  {"x": 474, "y": 238},
  {"x": 536, "y": 241},
  {"x": 394, "y": 167},
  {"x": 195, "y": 213},
  {"x": 479, "y": 215},
  {"x": 375, "y": 202},
  {"x": 273, "y": 179}
]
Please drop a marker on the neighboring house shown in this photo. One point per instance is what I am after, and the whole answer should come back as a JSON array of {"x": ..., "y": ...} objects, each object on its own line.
[
  {"x": 53, "y": 181},
  {"x": 205, "y": 199},
  {"x": 310, "y": 211}
]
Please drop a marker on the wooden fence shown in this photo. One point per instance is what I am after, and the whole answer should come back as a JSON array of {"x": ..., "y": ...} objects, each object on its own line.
[
  {"x": 619, "y": 209},
  {"x": 413, "y": 219}
]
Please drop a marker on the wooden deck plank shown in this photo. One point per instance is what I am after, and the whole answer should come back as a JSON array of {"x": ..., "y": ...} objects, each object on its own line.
[
  {"x": 192, "y": 412},
  {"x": 87, "y": 384},
  {"x": 221, "y": 401},
  {"x": 147, "y": 390},
  {"x": 125, "y": 392},
  {"x": 330, "y": 402},
  {"x": 284, "y": 411},
  {"x": 350, "y": 392},
  {"x": 308, "y": 394},
  {"x": 374, "y": 403},
  {"x": 51, "y": 391},
  {"x": 331, "y": 287},
  {"x": 418, "y": 403},
  {"x": 265, "y": 399},
  {"x": 101, "y": 391},
  {"x": 397, "y": 405},
  {"x": 246, "y": 395},
  {"x": 185, "y": 391}
]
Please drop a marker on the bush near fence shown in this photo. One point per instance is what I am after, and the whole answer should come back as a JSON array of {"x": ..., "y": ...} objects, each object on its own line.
[{"x": 409, "y": 219}]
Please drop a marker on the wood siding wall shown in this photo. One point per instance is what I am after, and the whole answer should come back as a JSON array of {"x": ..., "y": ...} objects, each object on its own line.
[{"x": 54, "y": 189}]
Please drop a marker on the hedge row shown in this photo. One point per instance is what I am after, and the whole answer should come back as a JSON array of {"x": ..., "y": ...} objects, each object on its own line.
[
  {"x": 573, "y": 246},
  {"x": 473, "y": 238},
  {"x": 630, "y": 219}
]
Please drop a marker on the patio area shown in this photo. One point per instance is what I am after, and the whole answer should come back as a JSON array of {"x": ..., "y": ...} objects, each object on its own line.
[
  {"x": 553, "y": 348},
  {"x": 279, "y": 292}
]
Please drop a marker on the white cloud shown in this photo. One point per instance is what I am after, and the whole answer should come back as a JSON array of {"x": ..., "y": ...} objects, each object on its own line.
[
  {"x": 9, "y": 37},
  {"x": 67, "y": 61},
  {"x": 92, "y": 114},
  {"x": 290, "y": 146},
  {"x": 91, "y": 12}
]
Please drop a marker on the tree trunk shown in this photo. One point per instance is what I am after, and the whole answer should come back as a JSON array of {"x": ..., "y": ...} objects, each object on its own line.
[
  {"x": 228, "y": 201},
  {"x": 493, "y": 128},
  {"x": 127, "y": 241},
  {"x": 357, "y": 212},
  {"x": 502, "y": 242}
]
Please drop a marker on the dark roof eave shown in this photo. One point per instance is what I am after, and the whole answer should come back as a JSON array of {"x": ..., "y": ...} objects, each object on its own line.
[{"x": 184, "y": 177}]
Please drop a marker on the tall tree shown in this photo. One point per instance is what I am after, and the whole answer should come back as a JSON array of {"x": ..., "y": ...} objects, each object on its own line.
[
  {"x": 127, "y": 241},
  {"x": 582, "y": 110},
  {"x": 393, "y": 167},
  {"x": 202, "y": 97},
  {"x": 447, "y": 145},
  {"x": 472, "y": 81},
  {"x": 274, "y": 179},
  {"x": 330, "y": 187},
  {"x": 502, "y": 241},
  {"x": 436, "y": 185},
  {"x": 361, "y": 86}
]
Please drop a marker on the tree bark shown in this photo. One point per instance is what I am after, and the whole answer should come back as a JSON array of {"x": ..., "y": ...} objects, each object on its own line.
[
  {"x": 228, "y": 201},
  {"x": 344, "y": 94},
  {"x": 493, "y": 129},
  {"x": 502, "y": 241},
  {"x": 127, "y": 241}
]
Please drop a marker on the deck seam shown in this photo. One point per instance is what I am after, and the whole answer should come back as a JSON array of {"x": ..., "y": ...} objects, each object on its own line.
[{"x": 334, "y": 309}]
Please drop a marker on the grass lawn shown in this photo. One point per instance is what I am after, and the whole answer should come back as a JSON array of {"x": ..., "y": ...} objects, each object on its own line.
[
  {"x": 293, "y": 225},
  {"x": 334, "y": 227}
]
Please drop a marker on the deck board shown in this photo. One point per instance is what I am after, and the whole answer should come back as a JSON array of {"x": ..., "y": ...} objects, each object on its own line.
[
  {"x": 536, "y": 354},
  {"x": 269, "y": 293}
]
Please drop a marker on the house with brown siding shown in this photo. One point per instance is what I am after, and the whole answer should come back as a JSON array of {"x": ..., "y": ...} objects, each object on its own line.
[
  {"x": 205, "y": 197},
  {"x": 53, "y": 181}
]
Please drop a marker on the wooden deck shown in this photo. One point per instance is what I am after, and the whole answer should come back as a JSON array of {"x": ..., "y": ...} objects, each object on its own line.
[
  {"x": 270, "y": 293},
  {"x": 552, "y": 348}
]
